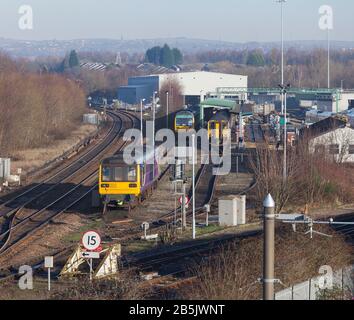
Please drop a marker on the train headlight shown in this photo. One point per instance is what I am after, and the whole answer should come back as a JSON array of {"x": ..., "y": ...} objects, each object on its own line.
[
  {"x": 133, "y": 185},
  {"x": 104, "y": 185}
]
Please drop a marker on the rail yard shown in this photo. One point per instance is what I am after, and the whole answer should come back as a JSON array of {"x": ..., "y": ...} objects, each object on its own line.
[
  {"x": 35, "y": 220},
  {"x": 165, "y": 167}
]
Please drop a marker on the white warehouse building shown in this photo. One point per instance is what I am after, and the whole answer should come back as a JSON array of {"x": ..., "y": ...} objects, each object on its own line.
[{"x": 195, "y": 85}]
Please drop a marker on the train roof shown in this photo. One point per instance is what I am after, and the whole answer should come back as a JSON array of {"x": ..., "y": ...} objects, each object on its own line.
[
  {"x": 184, "y": 113},
  {"x": 118, "y": 159}
]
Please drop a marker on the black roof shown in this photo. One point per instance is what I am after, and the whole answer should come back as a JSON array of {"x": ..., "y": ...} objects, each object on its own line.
[{"x": 324, "y": 126}]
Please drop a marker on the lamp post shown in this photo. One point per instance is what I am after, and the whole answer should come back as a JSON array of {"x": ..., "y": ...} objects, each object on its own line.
[
  {"x": 153, "y": 124},
  {"x": 284, "y": 90},
  {"x": 282, "y": 50},
  {"x": 193, "y": 185},
  {"x": 141, "y": 121},
  {"x": 167, "y": 108}
]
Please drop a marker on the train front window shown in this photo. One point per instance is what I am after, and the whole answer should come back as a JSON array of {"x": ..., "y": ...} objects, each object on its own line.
[
  {"x": 106, "y": 174},
  {"x": 119, "y": 174},
  {"x": 184, "y": 122},
  {"x": 124, "y": 174}
]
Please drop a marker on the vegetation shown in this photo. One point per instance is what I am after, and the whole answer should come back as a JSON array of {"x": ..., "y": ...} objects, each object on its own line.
[
  {"x": 304, "y": 68},
  {"x": 175, "y": 96},
  {"x": 164, "y": 56},
  {"x": 127, "y": 286},
  {"x": 36, "y": 109},
  {"x": 232, "y": 273},
  {"x": 311, "y": 178}
]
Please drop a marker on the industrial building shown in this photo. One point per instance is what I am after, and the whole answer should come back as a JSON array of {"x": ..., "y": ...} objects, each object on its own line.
[
  {"x": 335, "y": 100},
  {"x": 195, "y": 85},
  {"x": 333, "y": 137}
]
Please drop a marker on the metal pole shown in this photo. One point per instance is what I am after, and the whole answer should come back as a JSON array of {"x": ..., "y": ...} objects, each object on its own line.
[
  {"x": 141, "y": 122},
  {"x": 48, "y": 279},
  {"x": 282, "y": 49},
  {"x": 184, "y": 218},
  {"x": 153, "y": 124},
  {"x": 167, "y": 108},
  {"x": 268, "y": 248},
  {"x": 328, "y": 65},
  {"x": 91, "y": 271},
  {"x": 285, "y": 141},
  {"x": 282, "y": 42},
  {"x": 193, "y": 184}
]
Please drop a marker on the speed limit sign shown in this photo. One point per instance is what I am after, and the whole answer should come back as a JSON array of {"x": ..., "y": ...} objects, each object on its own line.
[
  {"x": 91, "y": 240},
  {"x": 186, "y": 200}
]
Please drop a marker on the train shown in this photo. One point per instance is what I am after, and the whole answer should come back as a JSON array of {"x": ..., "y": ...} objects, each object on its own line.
[
  {"x": 187, "y": 119},
  {"x": 124, "y": 186},
  {"x": 220, "y": 125}
]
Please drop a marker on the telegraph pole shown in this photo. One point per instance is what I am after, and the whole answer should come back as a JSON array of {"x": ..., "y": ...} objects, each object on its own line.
[{"x": 268, "y": 248}]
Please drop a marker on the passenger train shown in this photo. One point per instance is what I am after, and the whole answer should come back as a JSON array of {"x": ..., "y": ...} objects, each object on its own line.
[
  {"x": 220, "y": 125},
  {"x": 124, "y": 186},
  {"x": 186, "y": 120}
]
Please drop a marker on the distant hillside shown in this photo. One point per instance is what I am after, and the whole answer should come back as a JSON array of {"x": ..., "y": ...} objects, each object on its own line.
[{"x": 24, "y": 48}]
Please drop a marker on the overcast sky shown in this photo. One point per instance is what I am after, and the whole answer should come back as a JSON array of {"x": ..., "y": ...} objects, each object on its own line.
[{"x": 229, "y": 20}]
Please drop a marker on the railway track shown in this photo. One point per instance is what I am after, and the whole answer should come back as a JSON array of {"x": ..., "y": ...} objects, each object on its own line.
[
  {"x": 257, "y": 134},
  {"x": 38, "y": 207}
]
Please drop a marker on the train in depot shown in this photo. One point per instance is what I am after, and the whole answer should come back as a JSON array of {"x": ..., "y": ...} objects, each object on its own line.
[
  {"x": 219, "y": 125},
  {"x": 186, "y": 120},
  {"x": 124, "y": 186}
]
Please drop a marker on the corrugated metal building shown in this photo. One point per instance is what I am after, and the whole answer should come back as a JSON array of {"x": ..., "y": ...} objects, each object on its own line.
[{"x": 195, "y": 85}]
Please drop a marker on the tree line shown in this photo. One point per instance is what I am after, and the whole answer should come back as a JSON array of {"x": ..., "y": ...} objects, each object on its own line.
[
  {"x": 164, "y": 56},
  {"x": 36, "y": 109}
]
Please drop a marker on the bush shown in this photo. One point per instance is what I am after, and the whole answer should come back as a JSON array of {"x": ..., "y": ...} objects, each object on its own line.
[{"x": 37, "y": 109}]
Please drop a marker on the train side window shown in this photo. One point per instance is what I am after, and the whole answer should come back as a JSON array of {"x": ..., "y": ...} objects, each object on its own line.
[
  {"x": 151, "y": 172},
  {"x": 106, "y": 174}
]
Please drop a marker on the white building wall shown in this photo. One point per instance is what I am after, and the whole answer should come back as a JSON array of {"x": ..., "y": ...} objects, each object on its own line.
[
  {"x": 195, "y": 83},
  {"x": 344, "y": 137}
]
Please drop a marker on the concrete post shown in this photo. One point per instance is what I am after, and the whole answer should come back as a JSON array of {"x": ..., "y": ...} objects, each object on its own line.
[{"x": 268, "y": 253}]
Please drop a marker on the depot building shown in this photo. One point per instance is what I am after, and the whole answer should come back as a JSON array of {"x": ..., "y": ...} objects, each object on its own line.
[{"x": 195, "y": 85}]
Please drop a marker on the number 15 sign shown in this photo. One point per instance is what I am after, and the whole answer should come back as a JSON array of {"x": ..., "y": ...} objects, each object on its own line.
[{"x": 91, "y": 240}]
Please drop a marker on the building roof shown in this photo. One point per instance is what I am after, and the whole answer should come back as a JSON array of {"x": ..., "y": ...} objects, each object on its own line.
[
  {"x": 224, "y": 103},
  {"x": 322, "y": 127}
]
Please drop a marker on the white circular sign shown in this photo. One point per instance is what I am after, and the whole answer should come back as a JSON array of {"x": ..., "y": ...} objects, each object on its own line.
[
  {"x": 186, "y": 200},
  {"x": 91, "y": 240}
]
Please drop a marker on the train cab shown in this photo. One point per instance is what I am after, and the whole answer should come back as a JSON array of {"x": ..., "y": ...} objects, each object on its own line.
[
  {"x": 184, "y": 121},
  {"x": 219, "y": 125}
]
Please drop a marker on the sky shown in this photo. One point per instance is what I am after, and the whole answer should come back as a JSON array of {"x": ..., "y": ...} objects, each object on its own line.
[{"x": 227, "y": 20}]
